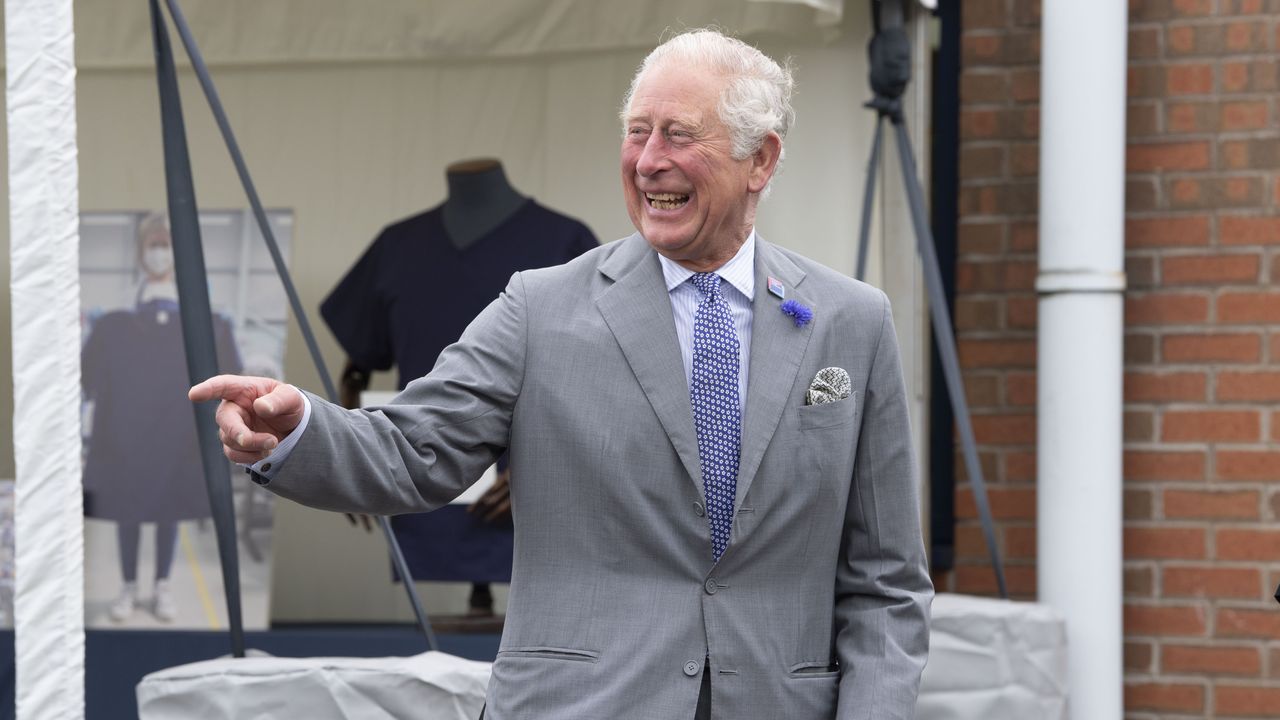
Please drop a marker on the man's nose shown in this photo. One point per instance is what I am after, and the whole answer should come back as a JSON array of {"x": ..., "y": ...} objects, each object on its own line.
[{"x": 654, "y": 157}]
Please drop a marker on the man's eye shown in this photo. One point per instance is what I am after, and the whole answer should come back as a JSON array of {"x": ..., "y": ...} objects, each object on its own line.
[{"x": 637, "y": 131}]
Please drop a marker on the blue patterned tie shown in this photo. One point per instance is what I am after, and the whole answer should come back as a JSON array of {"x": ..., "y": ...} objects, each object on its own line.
[{"x": 717, "y": 414}]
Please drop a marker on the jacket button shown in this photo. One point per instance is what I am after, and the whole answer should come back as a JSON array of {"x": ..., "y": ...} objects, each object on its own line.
[
  {"x": 711, "y": 586},
  {"x": 691, "y": 668},
  {"x": 698, "y": 509},
  {"x": 266, "y": 467}
]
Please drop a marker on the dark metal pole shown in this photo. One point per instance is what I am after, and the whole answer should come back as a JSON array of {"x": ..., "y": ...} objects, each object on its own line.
[{"x": 197, "y": 317}]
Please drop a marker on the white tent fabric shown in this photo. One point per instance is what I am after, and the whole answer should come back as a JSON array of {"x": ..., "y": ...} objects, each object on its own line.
[
  {"x": 994, "y": 660},
  {"x": 430, "y": 686},
  {"x": 250, "y": 32},
  {"x": 45, "y": 287}
]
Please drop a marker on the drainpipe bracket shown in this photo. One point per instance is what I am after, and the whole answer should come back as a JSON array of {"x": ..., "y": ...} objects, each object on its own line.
[{"x": 1056, "y": 282}]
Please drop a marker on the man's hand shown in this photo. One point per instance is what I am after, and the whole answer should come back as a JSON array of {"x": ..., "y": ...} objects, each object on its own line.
[
  {"x": 255, "y": 414},
  {"x": 495, "y": 504}
]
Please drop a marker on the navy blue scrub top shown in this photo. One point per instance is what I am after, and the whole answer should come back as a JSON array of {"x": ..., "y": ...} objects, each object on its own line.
[{"x": 409, "y": 297}]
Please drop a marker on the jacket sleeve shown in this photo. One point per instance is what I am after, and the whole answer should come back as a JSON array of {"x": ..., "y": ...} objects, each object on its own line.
[
  {"x": 435, "y": 438},
  {"x": 883, "y": 591}
]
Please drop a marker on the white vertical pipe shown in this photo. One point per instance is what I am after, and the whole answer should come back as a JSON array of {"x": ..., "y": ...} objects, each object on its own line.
[
  {"x": 1080, "y": 365},
  {"x": 44, "y": 246}
]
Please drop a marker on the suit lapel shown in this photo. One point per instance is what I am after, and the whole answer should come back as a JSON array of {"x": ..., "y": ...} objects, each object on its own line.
[
  {"x": 777, "y": 347},
  {"x": 637, "y": 309}
]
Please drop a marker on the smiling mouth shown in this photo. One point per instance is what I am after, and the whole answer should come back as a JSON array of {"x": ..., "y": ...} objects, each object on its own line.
[{"x": 666, "y": 201}]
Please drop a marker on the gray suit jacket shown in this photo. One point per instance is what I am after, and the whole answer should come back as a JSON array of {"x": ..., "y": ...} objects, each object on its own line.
[{"x": 819, "y": 606}]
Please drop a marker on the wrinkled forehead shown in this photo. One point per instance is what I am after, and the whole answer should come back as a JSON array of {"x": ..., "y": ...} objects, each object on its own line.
[{"x": 689, "y": 96}]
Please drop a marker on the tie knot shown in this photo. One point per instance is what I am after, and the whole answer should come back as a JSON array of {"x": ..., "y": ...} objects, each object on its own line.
[{"x": 708, "y": 283}]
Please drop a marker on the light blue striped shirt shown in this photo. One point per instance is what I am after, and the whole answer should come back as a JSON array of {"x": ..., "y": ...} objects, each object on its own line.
[{"x": 737, "y": 285}]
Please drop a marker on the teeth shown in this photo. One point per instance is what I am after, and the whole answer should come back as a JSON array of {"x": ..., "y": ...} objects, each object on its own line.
[{"x": 667, "y": 201}]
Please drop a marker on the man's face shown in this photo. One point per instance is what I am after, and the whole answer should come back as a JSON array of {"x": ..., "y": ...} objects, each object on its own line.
[{"x": 685, "y": 193}]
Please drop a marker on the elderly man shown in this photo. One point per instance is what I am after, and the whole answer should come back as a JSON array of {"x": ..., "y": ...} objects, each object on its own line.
[{"x": 716, "y": 514}]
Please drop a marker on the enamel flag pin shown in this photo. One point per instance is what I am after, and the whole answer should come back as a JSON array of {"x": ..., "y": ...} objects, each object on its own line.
[{"x": 775, "y": 287}]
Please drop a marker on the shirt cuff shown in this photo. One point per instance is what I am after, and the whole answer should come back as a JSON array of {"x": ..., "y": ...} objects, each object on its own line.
[{"x": 265, "y": 469}]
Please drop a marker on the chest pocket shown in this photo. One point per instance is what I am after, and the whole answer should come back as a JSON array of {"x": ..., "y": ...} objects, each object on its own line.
[{"x": 813, "y": 417}]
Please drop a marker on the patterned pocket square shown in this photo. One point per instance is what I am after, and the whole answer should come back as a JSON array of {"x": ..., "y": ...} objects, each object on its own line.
[{"x": 829, "y": 385}]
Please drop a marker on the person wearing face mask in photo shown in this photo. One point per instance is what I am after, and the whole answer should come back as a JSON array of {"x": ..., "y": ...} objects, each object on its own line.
[{"x": 135, "y": 357}]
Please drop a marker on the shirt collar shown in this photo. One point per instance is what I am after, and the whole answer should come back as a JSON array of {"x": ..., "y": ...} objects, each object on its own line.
[{"x": 738, "y": 272}]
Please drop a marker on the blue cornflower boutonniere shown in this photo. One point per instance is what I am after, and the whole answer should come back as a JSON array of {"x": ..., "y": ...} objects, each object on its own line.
[{"x": 799, "y": 312}]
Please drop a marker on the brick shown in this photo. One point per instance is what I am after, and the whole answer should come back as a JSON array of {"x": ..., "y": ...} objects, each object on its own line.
[
  {"x": 1161, "y": 542},
  {"x": 1249, "y": 307},
  {"x": 1245, "y": 37},
  {"x": 1139, "y": 504},
  {"x": 1138, "y": 656},
  {"x": 1024, "y": 160},
  {"x": 1141, "y": 465},
  {"x": 1142, "y": 119},
  {"x": 1191, "y": 117},
  {"x": 1215, "y": 347},
  {"x": 1211, "y": 505},
  {"x": 970, "y": 542},
  {"x": 980, "y": 238},
  {"x": 1160, "y": 156},
  {"x": 1145, "y": 81},
  {"x": 1211, "y": 582},
  {"x": 1192, "y": 8},
  {"x": 1020, "y": 389},
  {"x": 1164, "y": 697},
  {"x": 1210, "y": 660},
  {"x": 1211, "y": 426},
  {"x": 1165, "y": 309},
  {"x": 981, "y": 579},
  {"x": 1139, "y": 426},
  {"x": 1189, "y": 79},
  {"x": 984, "y": 86},
  {"x": 1015, "y": 198},
  {"x": 1141, "y": 195},
  {"x": 1024, "y": 84},
  {"x": 1249, "y": 154},
  {"x": 979, "y": 124},
  {"x": 1164, "y": 620},
  {"x": 1193, "y": 40},
  {"x": 1140, "y": 271},
  {"x": 977, "y": 314},
  {"x": 1197, "y": 193},
  {"x": 1019, "y": 466},
  {"x": 1262, "y": 386},
  {"x": 1164, "y": 386},
  {"x": 1020, "y": 542},
  {"x": 1012, "y": 429},
  {"x": 1026, "y": 14},
  {"x": 1139, "y": 582},
  {"x": 1247, "y": 623},
  {"x": 1243, "y": 115},
  {"x": 988, "y": 459},
  {"x": 1144, "y": 43},
  {"x": 1178, "y": 231},
  {"x": 1015, "y": 47},
  {"x": 1237, "y": 544},
  {"x": 997, "y": 353},
  {"x": 1252, "y": 76},
  {"x": 1249, "y": 7},
  {"x": 1024, "y": 236},
  {"x": 1246, "y": 701},
  {"x": 1139, "y": 349},
  {"x": 995, "y": 275},
  {"x": 985, "y": 14},
  {"x": 1210, "y": 269},
  {"x": 982, "y": 390},
  {"x": 1248, "y": 465},
  {"x": 1249, "y": 230},
  {"x": 982, "y": 162}
]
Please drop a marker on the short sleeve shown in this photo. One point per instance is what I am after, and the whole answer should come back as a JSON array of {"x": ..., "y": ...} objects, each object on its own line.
[{"x": 356, "y": 312}]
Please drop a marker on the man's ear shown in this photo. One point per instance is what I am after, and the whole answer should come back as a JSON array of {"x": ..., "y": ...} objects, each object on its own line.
[{"x": 764, "y": 162}]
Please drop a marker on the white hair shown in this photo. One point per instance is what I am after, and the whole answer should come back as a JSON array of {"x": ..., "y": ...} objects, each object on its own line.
[{"x": 756, "y": 99}]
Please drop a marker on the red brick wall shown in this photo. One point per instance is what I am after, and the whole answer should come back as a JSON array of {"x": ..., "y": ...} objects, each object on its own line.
[{"x": 1202, "y": 337}]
